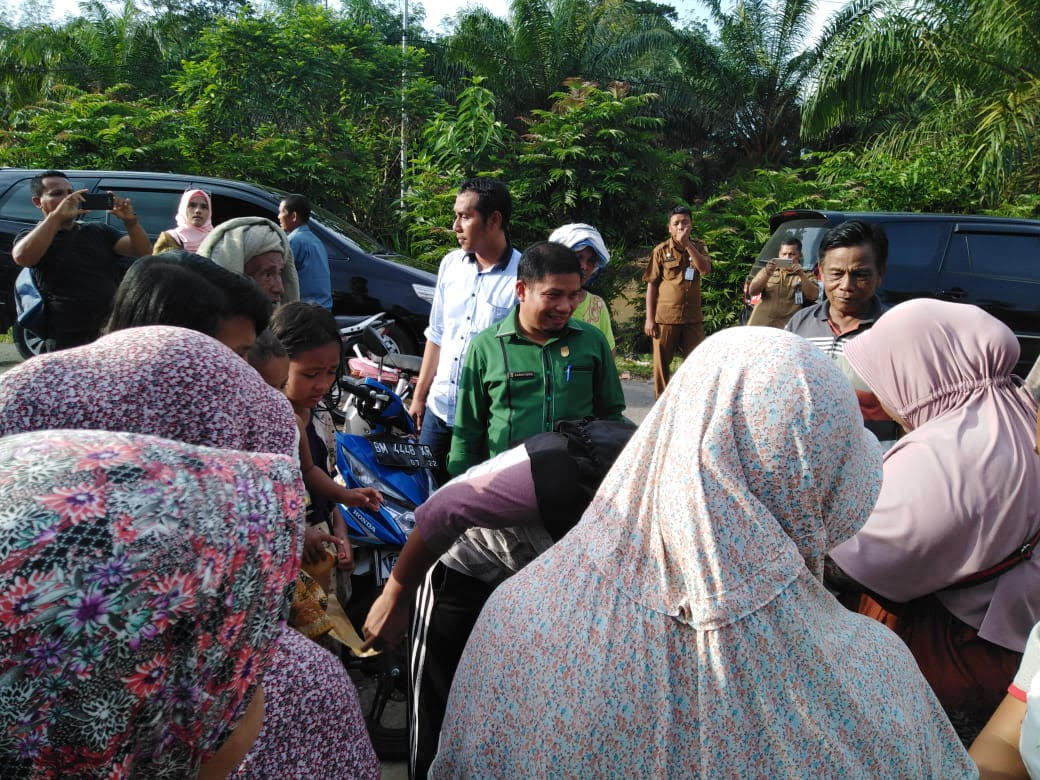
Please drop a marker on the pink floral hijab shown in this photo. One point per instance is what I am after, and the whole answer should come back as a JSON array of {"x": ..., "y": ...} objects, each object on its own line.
[
  {"x": 962, "y": 489},
  {"x": 783, "y": 472},
  {"x": 157, "y": 380},
  {"x": 142, "y": 588},
  {"x": 187, "y": 235}
]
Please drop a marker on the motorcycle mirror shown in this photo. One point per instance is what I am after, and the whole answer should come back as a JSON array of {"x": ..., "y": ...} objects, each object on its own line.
[{"x": 373, "y": 343}]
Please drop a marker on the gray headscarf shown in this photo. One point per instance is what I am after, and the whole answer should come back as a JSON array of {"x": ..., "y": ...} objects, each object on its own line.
[{"x": 230, "y": 244}]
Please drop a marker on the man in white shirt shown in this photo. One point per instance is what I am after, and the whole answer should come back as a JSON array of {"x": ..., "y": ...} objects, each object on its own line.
[{"x": 476, "y": 287}]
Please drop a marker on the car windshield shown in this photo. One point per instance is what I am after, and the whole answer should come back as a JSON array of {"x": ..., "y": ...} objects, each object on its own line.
[
  {"x": 349, "y": 232},
  {"x": 808, "y": 231}
]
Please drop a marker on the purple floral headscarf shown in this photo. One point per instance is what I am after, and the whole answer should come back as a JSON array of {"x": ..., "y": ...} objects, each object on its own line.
[
  {"x": 158, "y": 380},
  {"x": 142, "y": 586}
]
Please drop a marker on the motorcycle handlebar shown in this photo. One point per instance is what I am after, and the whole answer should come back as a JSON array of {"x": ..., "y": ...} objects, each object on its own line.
[{"x": 362, "y": 390}]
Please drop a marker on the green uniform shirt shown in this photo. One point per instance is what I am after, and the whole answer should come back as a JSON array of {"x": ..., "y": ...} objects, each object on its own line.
[{"x": 511, "y": 388}]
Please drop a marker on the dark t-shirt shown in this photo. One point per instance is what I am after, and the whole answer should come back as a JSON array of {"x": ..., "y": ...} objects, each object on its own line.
[{"x": 77, "y": 277}]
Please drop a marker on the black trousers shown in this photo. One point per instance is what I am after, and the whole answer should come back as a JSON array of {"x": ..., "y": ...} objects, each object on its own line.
[{"x": 447, "y": 606}]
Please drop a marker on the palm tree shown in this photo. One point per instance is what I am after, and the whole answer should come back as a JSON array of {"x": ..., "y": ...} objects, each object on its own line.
[
  {"x": 754, "y": 86},
  {"x": 526, "y": 58},
  {"x": 935, "y": 72}
]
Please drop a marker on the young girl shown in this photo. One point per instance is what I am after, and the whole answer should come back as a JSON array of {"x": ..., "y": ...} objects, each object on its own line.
[{"x": 307, "y": 337}]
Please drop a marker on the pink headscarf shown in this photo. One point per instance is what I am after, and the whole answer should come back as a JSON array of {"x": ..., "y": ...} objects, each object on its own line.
[
  {"x": 157, "y": 380},
  {"x": 186, "y": 233},
  {"x": 962, "y": 490}
]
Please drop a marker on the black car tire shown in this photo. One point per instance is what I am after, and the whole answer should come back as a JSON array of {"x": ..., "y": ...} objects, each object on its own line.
[{"x": 28, "y": 343}]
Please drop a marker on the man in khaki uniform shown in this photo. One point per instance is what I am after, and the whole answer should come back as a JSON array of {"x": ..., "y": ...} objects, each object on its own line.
[
  {"x": 784, "y": 290},
  {"x": 673, "y": 294}
]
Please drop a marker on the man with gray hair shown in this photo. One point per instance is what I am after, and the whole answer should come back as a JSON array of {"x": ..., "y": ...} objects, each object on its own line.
[{"x": 257, "y": 248}]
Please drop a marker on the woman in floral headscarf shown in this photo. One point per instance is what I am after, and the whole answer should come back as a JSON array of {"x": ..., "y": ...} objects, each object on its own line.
[
  {"x": 183, "y": 385},
  {"x": 586, "y": 241},
  {"x": 120, "y": 556},
  {"x": 682, "y": 628},
  {"x": 194, "y": 222}
]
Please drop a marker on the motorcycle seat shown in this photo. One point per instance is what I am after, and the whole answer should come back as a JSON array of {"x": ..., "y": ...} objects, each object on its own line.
[{"x": 410, "y": 363}]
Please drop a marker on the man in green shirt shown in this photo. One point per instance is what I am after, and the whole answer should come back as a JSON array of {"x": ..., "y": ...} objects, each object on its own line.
[{"x": 534, "y": 368}]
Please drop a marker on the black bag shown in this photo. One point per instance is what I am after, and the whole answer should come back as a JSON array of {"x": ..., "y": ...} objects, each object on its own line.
[{"x": 568, "y": 465}]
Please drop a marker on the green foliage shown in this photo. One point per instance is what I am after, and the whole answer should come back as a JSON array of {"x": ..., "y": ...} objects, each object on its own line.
[
  {"x": 459, "y": 143},
  {"x": 930, "y": 71},
  {"x": 84, "y": 130},
  {"x": 306, "y": 101}
]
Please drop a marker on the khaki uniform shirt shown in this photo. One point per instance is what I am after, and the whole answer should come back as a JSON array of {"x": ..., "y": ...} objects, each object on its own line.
[
  {"x": 778, "y": 305},
  {"x": 678, "y": 298}
]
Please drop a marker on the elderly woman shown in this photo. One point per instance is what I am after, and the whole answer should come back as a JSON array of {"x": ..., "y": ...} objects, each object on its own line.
[
  {"x": 592, "y": 252},
  {"x": 119, "y": 654},
  {"x": 194, "y": 222},
  {"x": 185, "y": 386},
  {"x": 687, "y": 630},
  {"x": 257, "y": 248},
  {"x": 942, "y": 551}
]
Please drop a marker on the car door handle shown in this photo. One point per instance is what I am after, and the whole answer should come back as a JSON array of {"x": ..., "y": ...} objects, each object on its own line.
[{"x": 953, "y": 294}]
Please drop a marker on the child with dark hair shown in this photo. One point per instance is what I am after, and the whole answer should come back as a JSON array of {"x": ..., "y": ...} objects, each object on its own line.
[
  {"x": 308, "y": 334},
  {"x": 271, "y": 361}
]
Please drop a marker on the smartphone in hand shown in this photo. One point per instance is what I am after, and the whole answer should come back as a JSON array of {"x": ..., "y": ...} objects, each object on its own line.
[
  {"x": 783, "y": 262},
  {"x": 97, "y": 201}
]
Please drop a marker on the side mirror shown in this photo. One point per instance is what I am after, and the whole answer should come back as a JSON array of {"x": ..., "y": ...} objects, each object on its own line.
[{"x": 373, "y": 343}]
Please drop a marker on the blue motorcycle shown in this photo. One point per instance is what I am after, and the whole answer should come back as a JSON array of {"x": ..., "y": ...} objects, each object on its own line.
[{"x": 378, "y": 449}]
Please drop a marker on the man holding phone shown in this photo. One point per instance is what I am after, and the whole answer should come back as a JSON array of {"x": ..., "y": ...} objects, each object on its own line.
[
  {"x": 75, "y": 263},
  {"x": 784, "y": 286}
]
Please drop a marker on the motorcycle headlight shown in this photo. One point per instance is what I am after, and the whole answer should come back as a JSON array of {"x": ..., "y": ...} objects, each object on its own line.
[
  {"x": 406, "y": 522},
  {"x": 367, "y": 478}
]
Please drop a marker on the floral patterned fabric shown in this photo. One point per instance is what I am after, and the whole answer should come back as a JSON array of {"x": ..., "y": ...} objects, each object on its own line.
[
  {"x": 681, "y": 628},
  {"x": 328, "y": 707},
  {"x": 158, "y": 380},
  {"x": 143, "y": 584},
  {"x": 183, "y": 385}
]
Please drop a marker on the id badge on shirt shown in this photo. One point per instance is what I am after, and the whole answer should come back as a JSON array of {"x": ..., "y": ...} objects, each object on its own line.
[{"x": 689, "y": 274}]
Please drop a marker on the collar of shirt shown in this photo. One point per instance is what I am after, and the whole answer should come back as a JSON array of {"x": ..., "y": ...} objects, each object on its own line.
[
  {"x": 503, "y": 260},
  {"x": 509, "y": 327},
  {"x": 877, "y": 308}
]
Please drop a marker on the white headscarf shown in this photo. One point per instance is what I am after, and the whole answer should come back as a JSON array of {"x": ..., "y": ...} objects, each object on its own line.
[
  {"x": 577, "y": 235},
  {"x": 231, "y": 244}
]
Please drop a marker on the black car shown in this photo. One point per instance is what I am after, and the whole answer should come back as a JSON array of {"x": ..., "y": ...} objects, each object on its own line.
[
  {"x": 992, "y": 262},
  {"x": 366, "y": 277}
]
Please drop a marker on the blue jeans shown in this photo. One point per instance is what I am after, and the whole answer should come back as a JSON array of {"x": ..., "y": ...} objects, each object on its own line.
[{"x": 436, "y": 434}]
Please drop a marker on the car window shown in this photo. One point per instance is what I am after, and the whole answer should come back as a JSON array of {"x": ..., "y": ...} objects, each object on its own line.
[
  {"x": 957, "y": 255},
  {"x": 1006, "y": 256},
  {"x": 156, "y": 209},
  {"x": 225, "y": 208},
  {"x": 808, "y": 231},
  {"x": 17, "y": 203},
  {"x": 915, "y": 244}
]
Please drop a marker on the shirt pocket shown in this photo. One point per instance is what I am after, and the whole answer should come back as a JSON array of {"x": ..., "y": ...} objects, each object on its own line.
[
  {"x": 577, "y": 388},
  {"x": 486, "y": 313},
  {"x": 672, "y": 268}
]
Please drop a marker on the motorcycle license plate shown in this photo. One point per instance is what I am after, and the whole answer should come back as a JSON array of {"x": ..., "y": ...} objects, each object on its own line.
[
  {"x": 403, "y": 454},
  {"x": 384, "y": 563}
]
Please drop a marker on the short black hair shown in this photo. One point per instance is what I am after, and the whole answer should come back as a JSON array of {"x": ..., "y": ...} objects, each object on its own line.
[
  {"x": 266, "y": 347},
  {"x": 792, "y": 241},
  {"x": 492, "y": 196},
  {"x": 299, "y": 204},
  {"x": 36, "y": 183},
  {"x": 187, "y": 290},
  {"x": 302, "y": 326},
  {"x": 680, "y": 210},
  {"x": 545, "y": 258},
  {"x": 858, "y": 233}
]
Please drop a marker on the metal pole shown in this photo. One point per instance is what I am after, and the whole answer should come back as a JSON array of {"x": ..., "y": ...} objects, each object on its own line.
[{"x": 404, "y": 85}]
